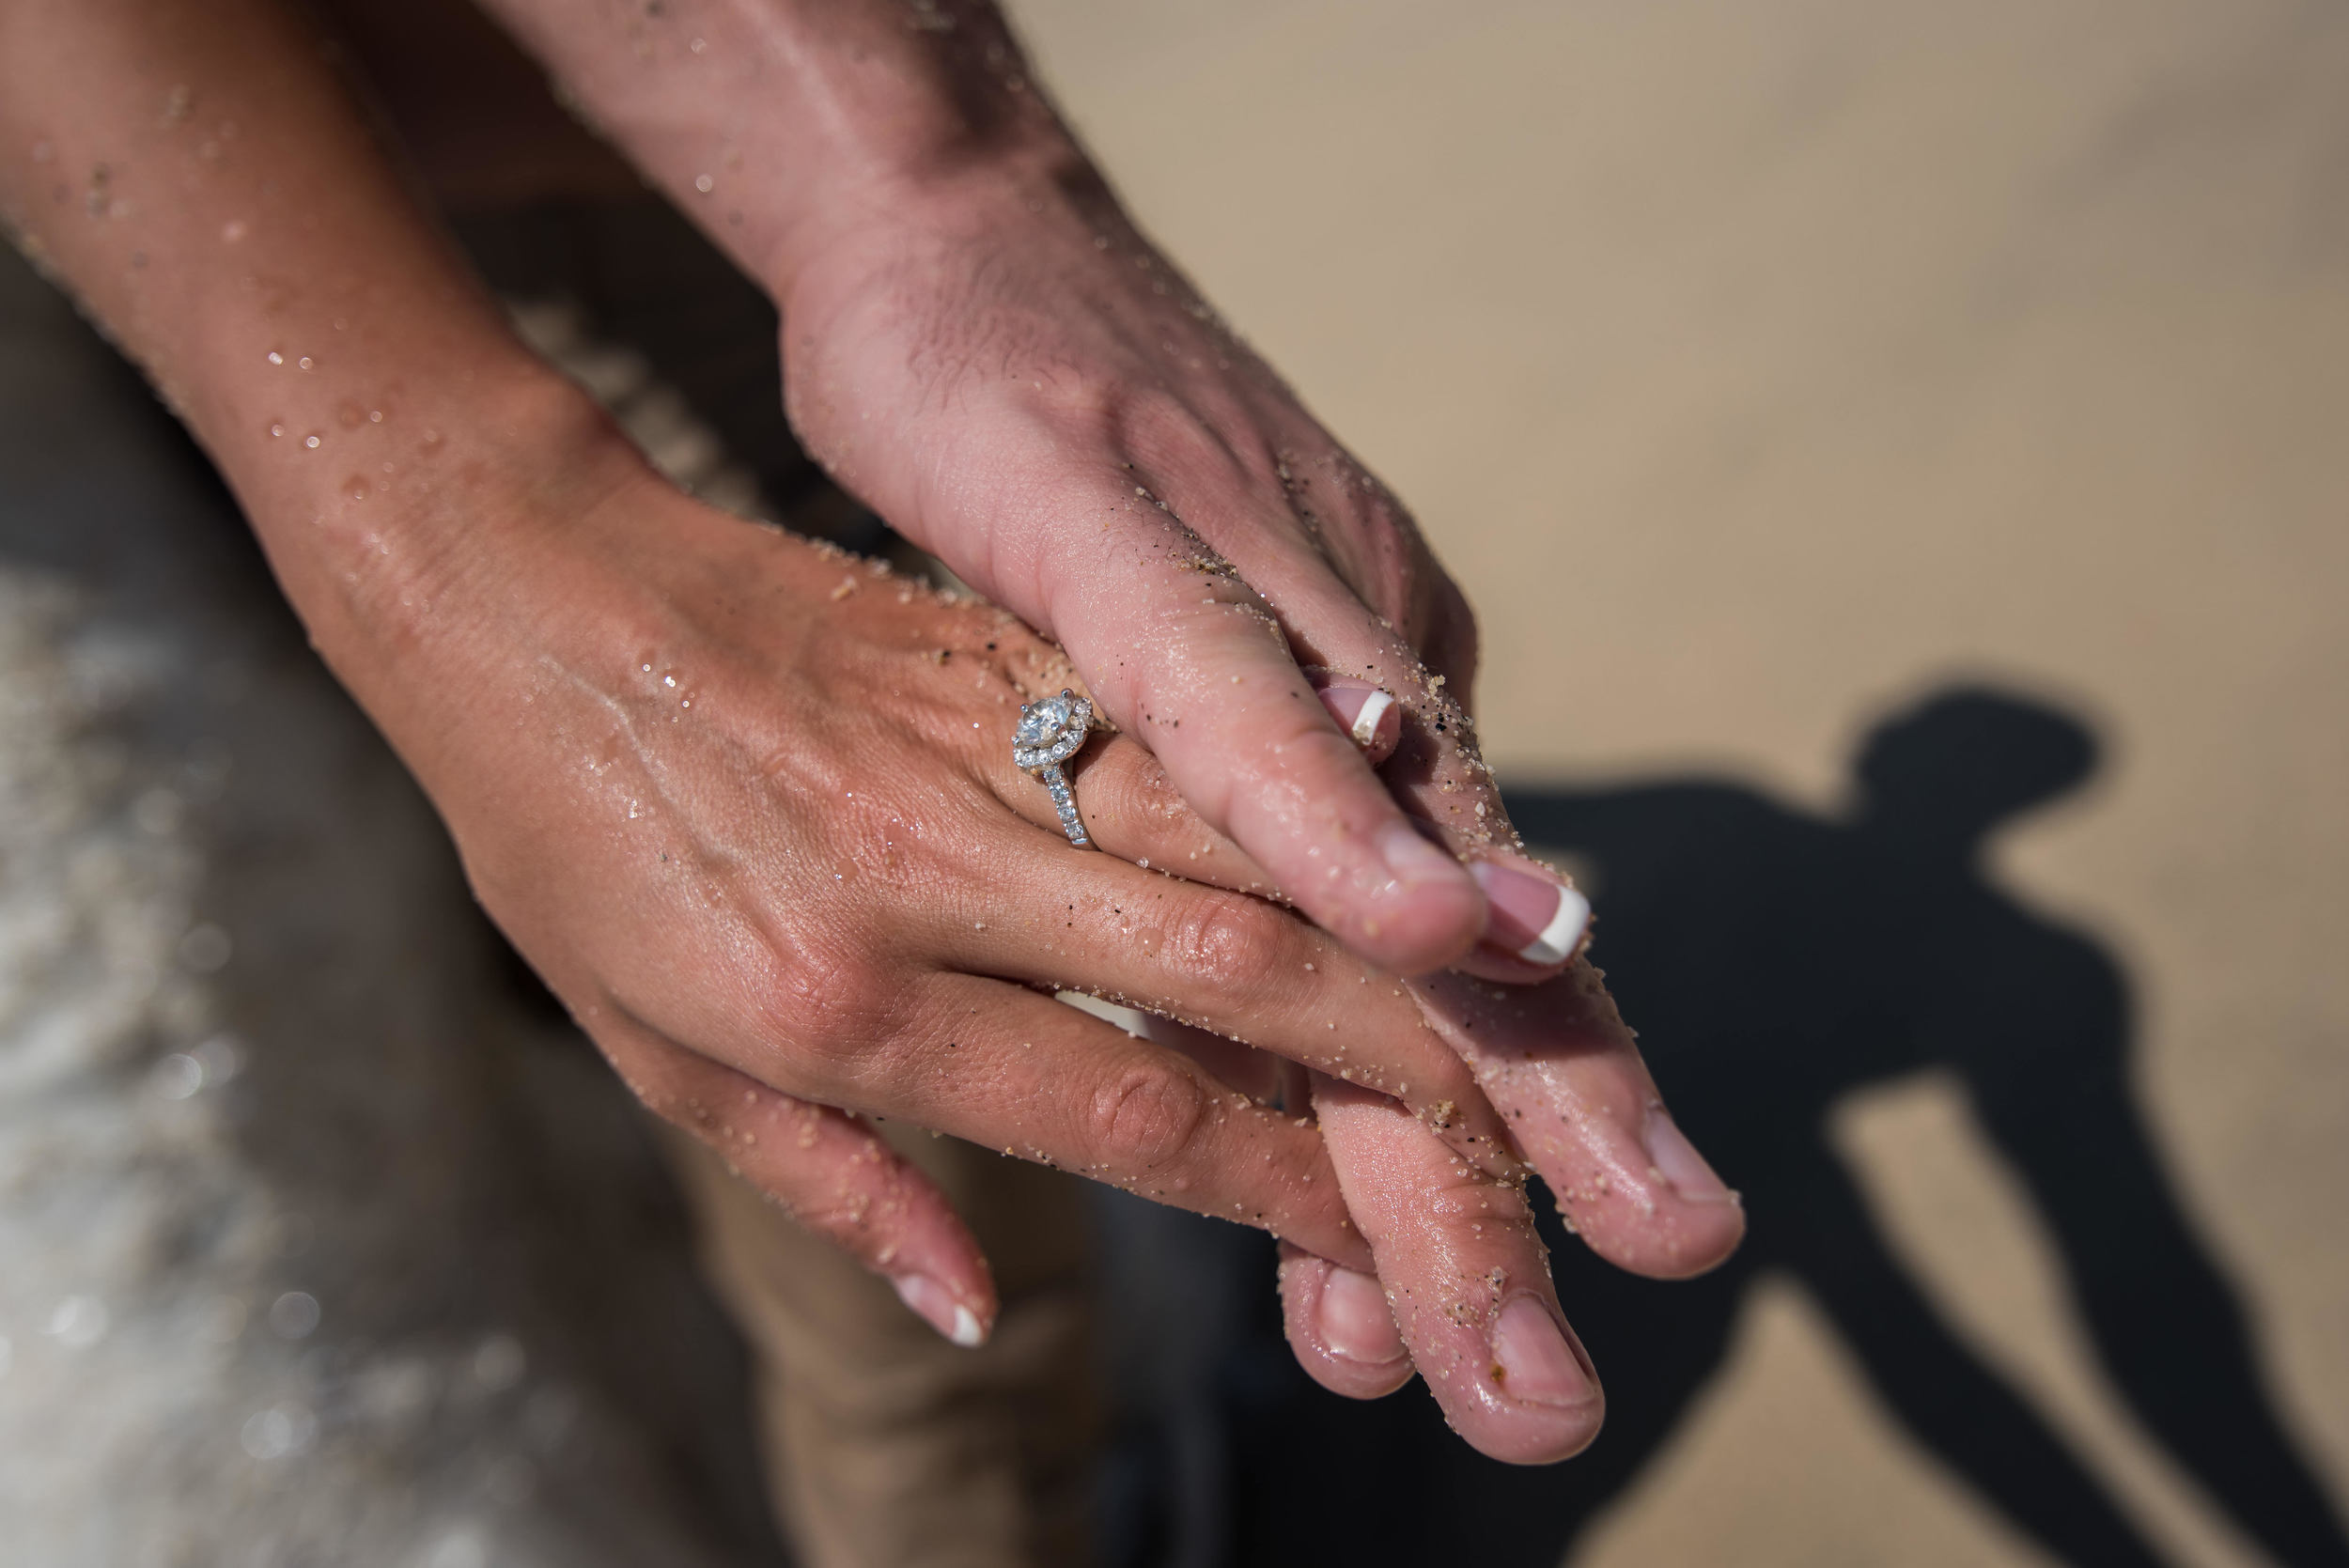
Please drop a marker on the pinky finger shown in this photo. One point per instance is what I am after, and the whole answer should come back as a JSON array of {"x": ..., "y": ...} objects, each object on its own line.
[
  {"x": 833, "y": 1174},
  {"x": 1340, "y": 1328}
]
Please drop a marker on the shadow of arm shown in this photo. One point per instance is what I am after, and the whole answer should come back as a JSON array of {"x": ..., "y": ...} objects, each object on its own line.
[
  {"x": 1958, "y": 1405},
  {"x": 2168, "y": 1326}
]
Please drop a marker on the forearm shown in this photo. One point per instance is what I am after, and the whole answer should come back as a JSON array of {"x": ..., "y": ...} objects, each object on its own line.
[
  {"x": 778, "y": 123},
  {"x": 199, "y": 179}
]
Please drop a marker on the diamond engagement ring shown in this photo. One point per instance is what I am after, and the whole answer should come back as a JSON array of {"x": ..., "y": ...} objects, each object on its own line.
[{"x": 1049, "y": 733}]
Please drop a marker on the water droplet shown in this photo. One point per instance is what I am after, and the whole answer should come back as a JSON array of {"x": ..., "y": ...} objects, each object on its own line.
[
  {"x": 499, "y": 1362},
  {"x": 294, "y": 1316},
  {"x": 220, "y": 1058},
  {"x": 311, "y": 443},
  {"x": 78, "y": 1322},
  {"x": 206, "y": 949},
  {"x": 176, "y": 1077},
  {"x": 276, "y": 358},
  {"x": 703, "y": 183},
  {"x": 280, "y": 1430}
]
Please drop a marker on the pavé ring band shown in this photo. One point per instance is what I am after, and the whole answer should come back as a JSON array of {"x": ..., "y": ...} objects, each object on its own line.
[{"x": 1049, "y": 733}]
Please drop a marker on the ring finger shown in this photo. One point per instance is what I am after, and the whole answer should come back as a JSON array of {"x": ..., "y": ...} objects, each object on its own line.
[
  {"x": 1008, "y": 1068},
  {"x": 1232, "y": 964}
]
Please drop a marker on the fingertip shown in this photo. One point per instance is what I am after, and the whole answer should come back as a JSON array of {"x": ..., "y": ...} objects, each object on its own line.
[
  {"x": 1679, "y": 1244},
  {"x": 1702, "y": 1219},
  {"x": 1368, "y": 714},
  {"x": 1538, "y": 921},
  {"x": 1713, "y": 1239},
  {"x": 1353, "y": 1319},
  {"x": 1538, "y": 1399},
  {"x": 1546, "y": 1439},
  {"x": 1429, "y": 913},
  {"x": 1340, "y": 1328},
  {"x": 944, "y": 1308},
  {"x": 1641, "y": 1222}
]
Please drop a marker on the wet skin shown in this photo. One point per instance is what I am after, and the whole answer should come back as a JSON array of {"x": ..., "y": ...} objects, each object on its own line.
[
  {"x": 981, "y": 345},
  {"x": 749, "y": 807}
]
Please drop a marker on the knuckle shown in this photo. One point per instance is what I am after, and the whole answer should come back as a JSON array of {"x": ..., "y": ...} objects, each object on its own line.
[
  {"x": 1231, "y": 946},
  {"x": 1478, "y": 1203},
  {"x": 825, "y": 1000},
  {"x": 1146, "y": 1116}
]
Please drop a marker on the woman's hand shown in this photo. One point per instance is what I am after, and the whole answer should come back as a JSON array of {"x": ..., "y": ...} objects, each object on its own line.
[
  {"x": 750, "y": 808},
  {"x": 978, "y": 342}
]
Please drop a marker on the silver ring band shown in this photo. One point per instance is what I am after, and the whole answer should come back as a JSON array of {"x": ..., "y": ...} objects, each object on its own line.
[{"x": 1049, "y": 733}]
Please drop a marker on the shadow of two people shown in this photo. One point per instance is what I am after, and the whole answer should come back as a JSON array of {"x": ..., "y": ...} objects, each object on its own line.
[{"x": 1775, "y": 962}]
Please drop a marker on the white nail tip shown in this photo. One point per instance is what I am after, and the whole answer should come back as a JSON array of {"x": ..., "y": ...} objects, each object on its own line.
[
  {"x": 1366, "y": 722},
  {"x": 1563, "y": 933},
  {"x": 931, "y": 1302}
]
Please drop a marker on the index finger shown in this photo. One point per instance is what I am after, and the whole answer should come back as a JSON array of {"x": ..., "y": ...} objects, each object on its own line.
[{"x": 1566, "y": 1077}]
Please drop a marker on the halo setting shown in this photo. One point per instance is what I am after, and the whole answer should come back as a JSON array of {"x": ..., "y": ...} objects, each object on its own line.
[{"x": 1050, "y": 732}]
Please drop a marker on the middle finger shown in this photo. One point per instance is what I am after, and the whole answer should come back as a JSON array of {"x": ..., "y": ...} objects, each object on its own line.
[{"x": 1467, "y": 1280}]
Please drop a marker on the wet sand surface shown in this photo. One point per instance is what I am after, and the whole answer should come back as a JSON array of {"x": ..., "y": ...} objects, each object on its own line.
[{"x": 1767, "y": 371}]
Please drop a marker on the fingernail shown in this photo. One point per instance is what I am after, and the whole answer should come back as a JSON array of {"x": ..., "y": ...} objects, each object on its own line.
[
  {"x": 1532, "y": 1362},
  {"x": 1538, "y": 918},
  {"x": 935, "y": 1305},
  {"x": 1366, "y": 713},
  {"x": 1677, "y": 1161},
  {"x": 1353, "y": 1320},
  {"x": 1411, "y": 859}
]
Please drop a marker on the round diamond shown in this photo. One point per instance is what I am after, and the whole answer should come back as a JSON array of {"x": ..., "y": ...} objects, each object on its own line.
[
  {"x": 1041, "y": 723},
  {"x": 1051, "y": 730}
]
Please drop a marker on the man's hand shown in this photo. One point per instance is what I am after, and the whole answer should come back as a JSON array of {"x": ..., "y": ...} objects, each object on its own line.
[{"x": 1461, "y": 1291}]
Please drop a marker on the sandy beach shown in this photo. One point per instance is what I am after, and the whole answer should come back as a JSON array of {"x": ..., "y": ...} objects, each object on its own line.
[{"x": 1761, "y": 369}]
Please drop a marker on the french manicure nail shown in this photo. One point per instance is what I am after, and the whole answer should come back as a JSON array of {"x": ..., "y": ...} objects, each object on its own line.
[
  {"x": 1362, "y": 711},
  {"x": 1537, "y": 918},
  {"x": 1533, "y": 1364},
  {"x": 1677, "y": 1161},
  {"x": 935, "y": 1305},
  {"x": 1353, "y": 1320}
]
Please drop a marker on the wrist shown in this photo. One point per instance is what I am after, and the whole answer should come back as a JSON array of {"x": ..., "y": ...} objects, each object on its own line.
[
  {"x": 965, "y": 190},
  {"x": 403, "y": 525}
]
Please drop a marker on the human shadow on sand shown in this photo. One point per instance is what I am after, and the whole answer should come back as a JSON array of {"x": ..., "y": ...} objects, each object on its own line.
[{"x": 1775, "y": 962}]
